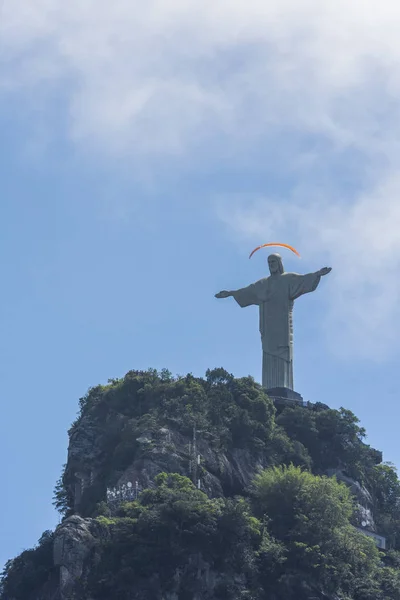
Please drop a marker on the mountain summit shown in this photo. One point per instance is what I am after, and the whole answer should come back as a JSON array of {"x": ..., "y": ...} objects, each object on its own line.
[{"x": 187, "y": 488}]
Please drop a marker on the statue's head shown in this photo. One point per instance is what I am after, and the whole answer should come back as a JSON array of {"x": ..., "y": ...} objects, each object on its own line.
[{"x": 275, "y": 264}]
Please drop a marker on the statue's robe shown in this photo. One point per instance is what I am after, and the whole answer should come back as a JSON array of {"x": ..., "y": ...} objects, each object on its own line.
[{"x": 275, "y": 296}]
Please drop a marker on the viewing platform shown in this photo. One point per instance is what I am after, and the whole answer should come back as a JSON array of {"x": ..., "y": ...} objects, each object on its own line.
[{"x": 286, "y": 397}]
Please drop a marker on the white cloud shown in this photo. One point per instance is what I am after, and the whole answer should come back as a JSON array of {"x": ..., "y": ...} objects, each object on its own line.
[
  {"x": 173, "y": 78},
  {"x": 162, "y": 76}
]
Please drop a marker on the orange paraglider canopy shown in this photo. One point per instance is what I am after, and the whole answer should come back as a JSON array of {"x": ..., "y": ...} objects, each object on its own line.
[{"x": 275, "y": 244}]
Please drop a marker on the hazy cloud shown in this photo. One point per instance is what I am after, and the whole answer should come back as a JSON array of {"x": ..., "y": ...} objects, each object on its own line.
[{"x": 161, "y": 76}]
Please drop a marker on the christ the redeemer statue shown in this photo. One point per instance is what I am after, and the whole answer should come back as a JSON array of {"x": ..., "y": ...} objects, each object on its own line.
[{"x": 275, "y": 295}]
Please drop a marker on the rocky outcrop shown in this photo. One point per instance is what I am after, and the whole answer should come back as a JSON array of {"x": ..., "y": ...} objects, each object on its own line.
[
  {"x": 165, "y": 449},
  {"x": 78, "y": 540},
  {"x": 162, "y": 450},
  {"x": 75, "y": 541},
  {"x": 364, "y": 516},
  {"x": 77, "y": 545}
]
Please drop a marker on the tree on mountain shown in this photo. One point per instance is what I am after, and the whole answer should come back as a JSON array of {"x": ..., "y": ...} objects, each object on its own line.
[{"x": 310, "y": 515}]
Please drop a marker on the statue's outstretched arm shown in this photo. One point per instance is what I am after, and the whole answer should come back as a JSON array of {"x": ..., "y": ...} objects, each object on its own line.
[
  {"x": 247, "y": 296},
  {"x": 324, "y": 271},
  {"x": 224, "y": 294}
]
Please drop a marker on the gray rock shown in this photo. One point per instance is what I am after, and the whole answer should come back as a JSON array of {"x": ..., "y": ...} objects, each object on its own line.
[
  {"x": 85, "y": 443},
  {"x": 74, "y": 541},
  {"x": 363, "y": 498}
]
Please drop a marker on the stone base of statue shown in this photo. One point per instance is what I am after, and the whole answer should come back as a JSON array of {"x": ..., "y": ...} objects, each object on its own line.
[{"x": 284, "y": 395}]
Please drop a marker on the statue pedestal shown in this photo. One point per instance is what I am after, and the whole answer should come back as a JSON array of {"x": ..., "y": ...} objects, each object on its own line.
[{"x": 285, "y": 396}]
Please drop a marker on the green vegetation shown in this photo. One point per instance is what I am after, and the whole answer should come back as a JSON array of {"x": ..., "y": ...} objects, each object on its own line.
[
  {"x": 288, "y": 536},
  {"x": 385, "y": 487},
  {"x": 29, "y": 571},
  {"x": 291, "y": 538},
  {"x": 172, "y": 522}
]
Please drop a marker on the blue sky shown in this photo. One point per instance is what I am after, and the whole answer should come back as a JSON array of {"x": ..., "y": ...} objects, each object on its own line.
[{"x": 144, "y": 154}]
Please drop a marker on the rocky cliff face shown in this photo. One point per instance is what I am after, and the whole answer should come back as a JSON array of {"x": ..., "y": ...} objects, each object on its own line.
[
  {"x": 364, "y": 515},
  {"x": 78, "y": 540},
  {"x": 77, "y": 547},
  {"x": 152, "y": 451}
]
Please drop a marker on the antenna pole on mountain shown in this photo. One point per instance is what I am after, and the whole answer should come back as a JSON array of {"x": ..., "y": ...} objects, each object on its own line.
[{"x": 194, "y": 455}]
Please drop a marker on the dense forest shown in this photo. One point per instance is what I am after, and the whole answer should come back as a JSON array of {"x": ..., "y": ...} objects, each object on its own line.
[{"x": 277, "y": 517}]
